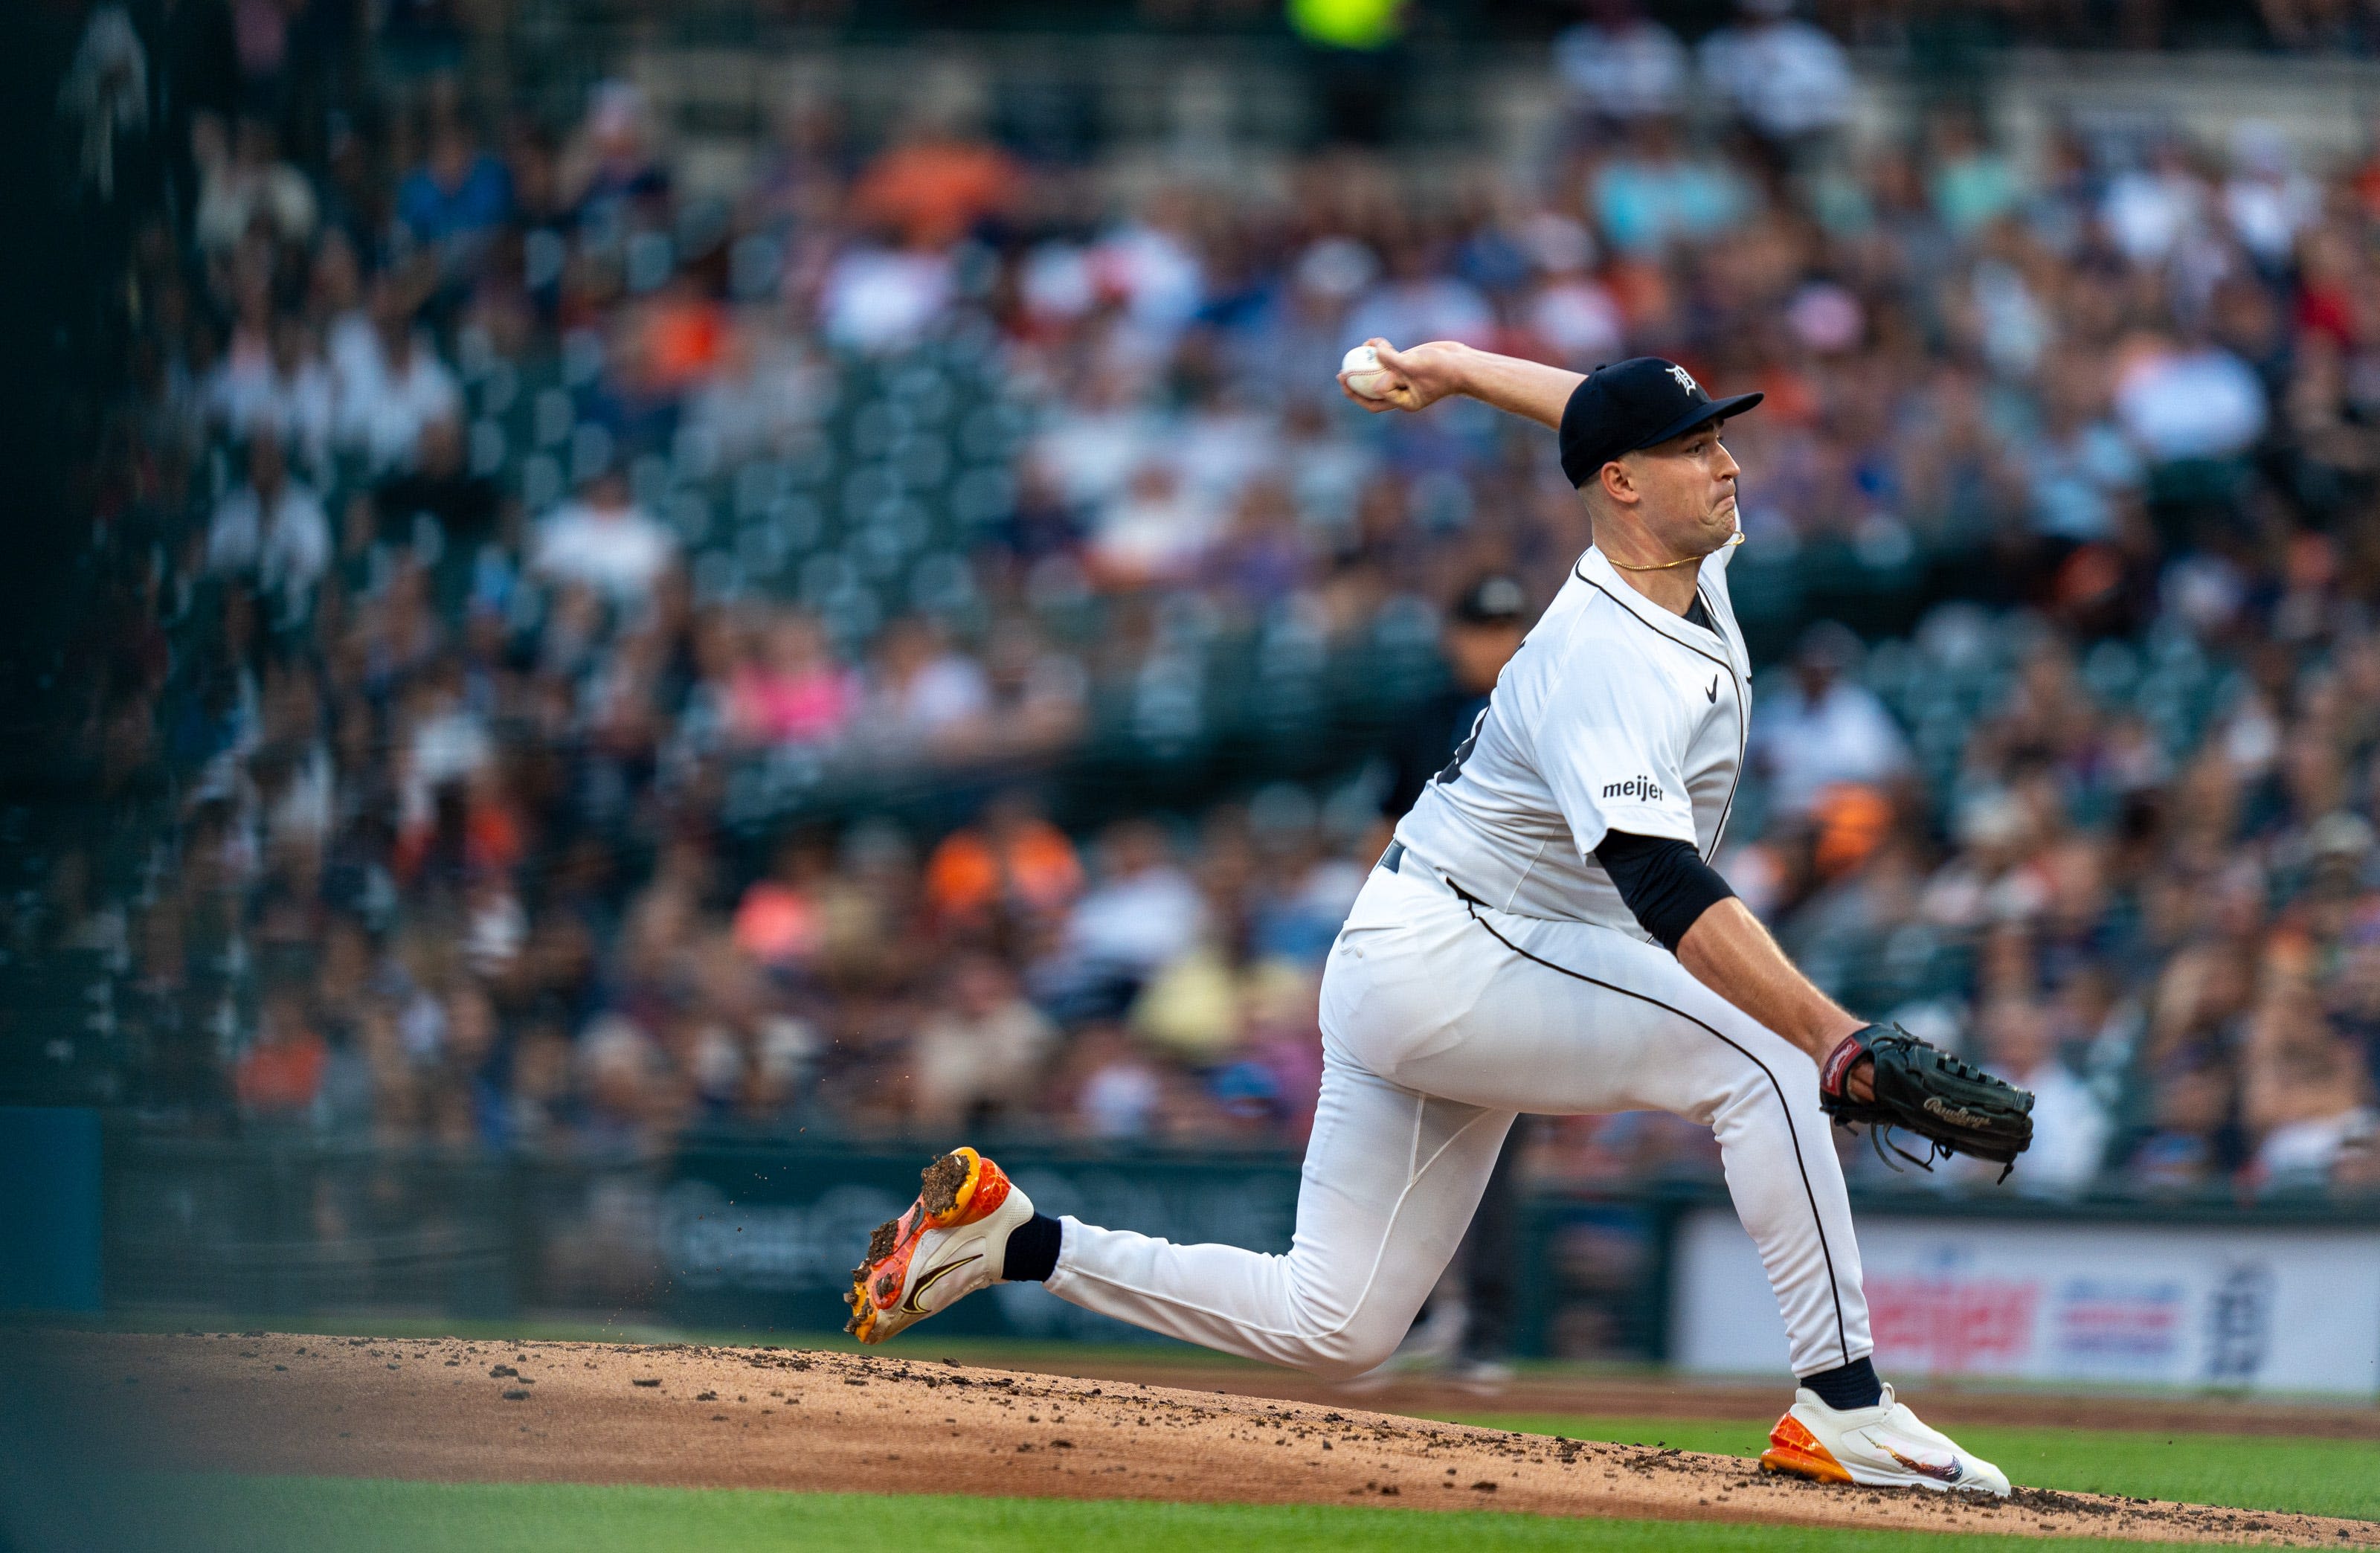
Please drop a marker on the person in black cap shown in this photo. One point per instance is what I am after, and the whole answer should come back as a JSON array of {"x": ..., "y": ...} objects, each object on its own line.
[
  {"x": 1592, "y": 794},
  {"x": 1482, "y": 632},
  {"x": 1545, "y": 934},
  {"x": 1615, "y": 411}
]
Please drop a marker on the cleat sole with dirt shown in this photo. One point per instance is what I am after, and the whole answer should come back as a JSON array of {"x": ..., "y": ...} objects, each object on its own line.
[{"x": 948, "y": 1192}]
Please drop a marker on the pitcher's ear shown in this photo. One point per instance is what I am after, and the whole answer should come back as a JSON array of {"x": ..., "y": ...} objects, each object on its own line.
[{"x": 1618, "y": 481}]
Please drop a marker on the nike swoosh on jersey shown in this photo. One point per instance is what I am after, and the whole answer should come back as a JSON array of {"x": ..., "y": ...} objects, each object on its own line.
[
  {"x": 1713, "y": 691},
  {"x": 910, "y": 1304}
]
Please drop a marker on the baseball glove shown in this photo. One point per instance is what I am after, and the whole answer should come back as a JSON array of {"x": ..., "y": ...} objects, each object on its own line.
[{"x": 1955, "y": 1108}]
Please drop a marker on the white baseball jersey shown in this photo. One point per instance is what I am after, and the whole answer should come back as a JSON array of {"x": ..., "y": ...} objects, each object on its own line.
[
  {"x": 1444, "y": 1014},
  {"x": 1440, "y": 1020},
  {"x": 1615, "y": 715}
]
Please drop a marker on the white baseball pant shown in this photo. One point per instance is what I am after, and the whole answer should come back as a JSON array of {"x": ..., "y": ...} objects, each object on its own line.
[{"x": 1441, "y": 1019}]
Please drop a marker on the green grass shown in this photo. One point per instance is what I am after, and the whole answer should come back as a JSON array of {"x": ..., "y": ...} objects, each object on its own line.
[
  {"x": 2251, "y": 1472},
  {"x": 312, "y": 1514}
]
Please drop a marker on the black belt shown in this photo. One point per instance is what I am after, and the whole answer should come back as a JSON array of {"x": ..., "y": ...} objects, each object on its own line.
[{"x": 1395, "y": 856}]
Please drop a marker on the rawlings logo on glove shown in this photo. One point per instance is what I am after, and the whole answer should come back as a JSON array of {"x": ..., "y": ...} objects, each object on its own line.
[
  {"x": 1955, "y": 1108},
  {"x": 1958, "y": 1118}
]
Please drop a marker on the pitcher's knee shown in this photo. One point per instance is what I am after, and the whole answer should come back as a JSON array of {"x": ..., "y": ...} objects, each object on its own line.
[
  {"x": 1779, "y": 1074},
  {"x": 1362, "y": 1343}
]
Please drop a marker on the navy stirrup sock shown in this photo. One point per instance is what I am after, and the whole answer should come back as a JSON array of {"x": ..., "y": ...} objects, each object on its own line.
[
  {"x": 1842, "y": 1387},
  {"x": 1032, "y": 1253}
]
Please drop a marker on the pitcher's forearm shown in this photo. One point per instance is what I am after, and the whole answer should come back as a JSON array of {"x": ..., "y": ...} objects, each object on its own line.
[
  {"x": 1530, "y": 388},
  {"x": 1728, "y": 951}
]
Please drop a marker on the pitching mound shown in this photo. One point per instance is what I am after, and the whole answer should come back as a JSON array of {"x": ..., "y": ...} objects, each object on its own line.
[
  {"x": 778, "y": 1418},
  {"x": 1607, "y": 1395}
]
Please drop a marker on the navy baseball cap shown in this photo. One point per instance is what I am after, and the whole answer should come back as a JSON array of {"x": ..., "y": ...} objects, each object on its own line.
[
  {"x": 1635, "y": 404},
  {"x": 1493, "y": 600}
]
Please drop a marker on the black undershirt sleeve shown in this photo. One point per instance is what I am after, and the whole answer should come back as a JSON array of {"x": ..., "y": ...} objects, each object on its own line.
[{"x": 1665, "y": 883}]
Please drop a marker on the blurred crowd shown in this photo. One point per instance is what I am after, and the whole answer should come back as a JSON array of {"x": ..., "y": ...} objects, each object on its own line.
[{"x": 486, "y": 503}]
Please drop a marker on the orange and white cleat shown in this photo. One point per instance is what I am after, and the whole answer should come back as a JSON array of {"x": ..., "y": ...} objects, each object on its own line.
[
  {"x": 952, "y": 1242},
  {"x": 1879, "y": 1447}
]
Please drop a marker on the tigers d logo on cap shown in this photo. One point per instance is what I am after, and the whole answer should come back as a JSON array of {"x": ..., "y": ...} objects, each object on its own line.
[{"x": 1632, "y": 404}]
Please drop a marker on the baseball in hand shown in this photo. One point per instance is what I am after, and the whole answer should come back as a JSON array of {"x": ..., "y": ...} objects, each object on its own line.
[{"x": 1365, "y": 374}]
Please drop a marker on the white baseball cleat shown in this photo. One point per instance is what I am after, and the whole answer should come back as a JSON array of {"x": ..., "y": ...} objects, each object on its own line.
[
  {"x": 952, "y": 1242},
  {"x": 1879, "y": 1447}
]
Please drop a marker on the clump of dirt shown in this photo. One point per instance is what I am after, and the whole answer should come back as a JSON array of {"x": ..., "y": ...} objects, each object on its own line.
[
  {"x": 939, "y": 1183},
  {"x": 841, "y": 1422}
]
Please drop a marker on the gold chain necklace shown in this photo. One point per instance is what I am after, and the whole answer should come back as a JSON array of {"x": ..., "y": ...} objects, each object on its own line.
[{"x": 1734, "y": 538}]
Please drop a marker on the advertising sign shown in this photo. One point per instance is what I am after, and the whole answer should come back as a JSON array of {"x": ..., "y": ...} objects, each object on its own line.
[
  {"x": 2281, "y": 1309},
  {"x": 50, "y": 1214},
  {"x": 766, "y": 1238}
]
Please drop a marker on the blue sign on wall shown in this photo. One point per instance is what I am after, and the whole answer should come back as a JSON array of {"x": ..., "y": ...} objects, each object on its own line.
[
  {"x": 49, "y": 1208},
  {"x": 766, "y": 1238}
]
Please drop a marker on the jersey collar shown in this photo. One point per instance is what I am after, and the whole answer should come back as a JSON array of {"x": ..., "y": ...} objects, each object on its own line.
[{"x": 1597, "y": 571}]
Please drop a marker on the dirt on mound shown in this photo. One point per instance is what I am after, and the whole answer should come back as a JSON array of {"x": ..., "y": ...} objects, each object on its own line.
[
  {"x": 778, "y": 1418},
  {"x": 1640, "y": 1395}
]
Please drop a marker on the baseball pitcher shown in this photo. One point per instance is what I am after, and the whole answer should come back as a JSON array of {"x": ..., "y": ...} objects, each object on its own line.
[{"x": 1545, "y": 934}]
